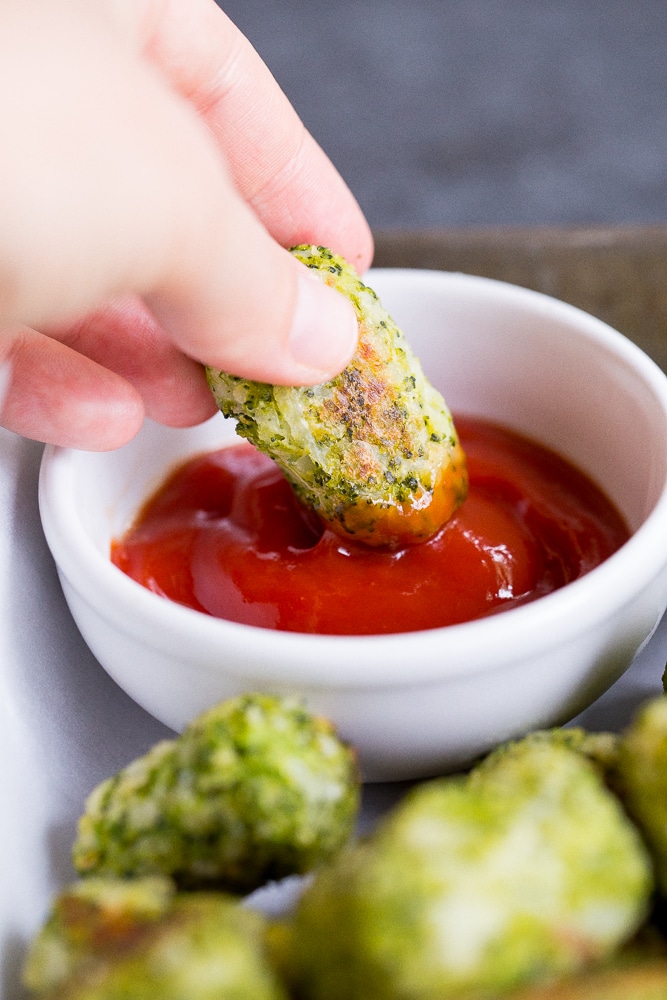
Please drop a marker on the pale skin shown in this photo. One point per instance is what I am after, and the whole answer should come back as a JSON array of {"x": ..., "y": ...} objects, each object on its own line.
[{"x": 152, "y": 174}]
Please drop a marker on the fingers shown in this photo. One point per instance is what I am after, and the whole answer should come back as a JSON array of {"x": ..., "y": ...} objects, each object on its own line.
[
  {"x": 138, "y": 198},
  {"x": 278, "y": 168},
  {"x": 236, "y": 300},
  {"x": 116, "y": 185},
  {"x": 90, "y": 384},
  {"x": 287, "y": 182},
  {"x": 123, "y": 337},
  {"x": 56, "y": 395}
]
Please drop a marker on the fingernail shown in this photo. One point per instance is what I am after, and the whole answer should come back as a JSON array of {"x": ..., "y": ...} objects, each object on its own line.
[{"x": 324, "y": 330}]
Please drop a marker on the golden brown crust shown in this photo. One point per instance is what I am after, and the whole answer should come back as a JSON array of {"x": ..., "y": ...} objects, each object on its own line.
[{"x": 374, "y": 451}]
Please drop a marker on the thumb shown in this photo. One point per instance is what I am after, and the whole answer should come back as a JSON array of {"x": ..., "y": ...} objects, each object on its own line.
[{"x": 238, "y": 301}]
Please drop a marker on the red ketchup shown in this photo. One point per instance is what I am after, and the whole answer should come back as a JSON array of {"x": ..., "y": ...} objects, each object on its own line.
[{"x": 225, "y": 535}]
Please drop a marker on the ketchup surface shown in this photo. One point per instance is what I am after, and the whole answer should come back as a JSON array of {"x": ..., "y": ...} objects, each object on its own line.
[{"x": 225, "y": 535}]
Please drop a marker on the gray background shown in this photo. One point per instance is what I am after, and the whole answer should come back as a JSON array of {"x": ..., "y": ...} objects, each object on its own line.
[
  {"x": 468, "y": 113},
  {"x": 479, "y": 112}
]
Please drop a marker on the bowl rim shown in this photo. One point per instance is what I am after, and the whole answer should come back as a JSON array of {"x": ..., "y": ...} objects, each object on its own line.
[{"x": 333, "y": 660}]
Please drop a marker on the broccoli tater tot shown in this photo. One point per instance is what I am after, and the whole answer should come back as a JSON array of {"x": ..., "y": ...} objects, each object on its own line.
[
  {"x": 476, "y": 886},
  {"x": 253, "y": 790},
  {"x": 642, "y": 772},
  {"x": 139, "y": 940},
  {"x": 601, "y": 749},
  {"x": 90, "y": 921},
  {"x": 374, "y": 451}
]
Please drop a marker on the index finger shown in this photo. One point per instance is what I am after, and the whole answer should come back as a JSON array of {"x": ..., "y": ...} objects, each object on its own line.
[{"x": 277, "y": 166}]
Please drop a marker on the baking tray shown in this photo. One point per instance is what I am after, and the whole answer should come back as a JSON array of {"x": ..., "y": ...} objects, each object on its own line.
[{"x": 618, "y": 273}]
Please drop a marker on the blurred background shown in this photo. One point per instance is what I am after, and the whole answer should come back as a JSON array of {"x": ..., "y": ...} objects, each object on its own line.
[{"x": 457, "y": 113}]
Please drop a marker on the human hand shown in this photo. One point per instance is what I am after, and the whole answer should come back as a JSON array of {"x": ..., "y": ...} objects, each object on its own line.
[{"x": 156, "y": 173}]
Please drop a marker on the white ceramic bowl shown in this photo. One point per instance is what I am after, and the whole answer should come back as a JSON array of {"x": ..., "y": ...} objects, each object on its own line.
[{"x": 420, "y": 703}]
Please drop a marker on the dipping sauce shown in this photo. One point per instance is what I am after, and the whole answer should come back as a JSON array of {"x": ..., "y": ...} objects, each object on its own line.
[{"x": 226, "y": 536}]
